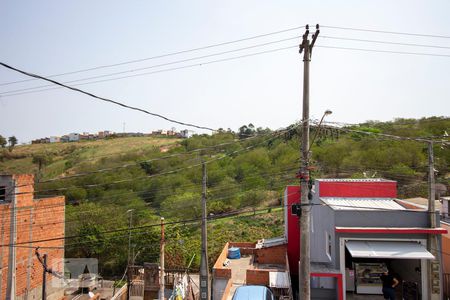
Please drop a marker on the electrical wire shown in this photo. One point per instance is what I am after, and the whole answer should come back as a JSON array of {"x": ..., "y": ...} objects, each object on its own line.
[
  {"x": 151, "y": 67},
  {"x": 163, "y": 55},
  {"x": 387, "y": 32},
  {"x": 159, "y": 71},
  {"x": 383, "y": 42},
  {"x": 166, "y": 172},
  {"x": 383, "y": 51},
  {"x": 106, "y": 99}
]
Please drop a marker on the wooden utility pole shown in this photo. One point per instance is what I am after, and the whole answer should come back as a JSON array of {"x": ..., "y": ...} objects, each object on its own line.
[
  {"x": 433, "y": 266},
  {"x": 129, "y": 283},
  {"x": 161, "y": 286},
  {"x": 305, "y": 218},
  {"x": 204, "y": 270}
]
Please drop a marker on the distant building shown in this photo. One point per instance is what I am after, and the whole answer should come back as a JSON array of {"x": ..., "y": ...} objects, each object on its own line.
[
  {"x": 54, "y": 139},
  {"x": 74, "y": 137},
  {"x": 64, "y": 139},
  {"x": 104, "y": 134},
  {"x": 37, "y": 219},
  {"x": 185, "y": 133}
]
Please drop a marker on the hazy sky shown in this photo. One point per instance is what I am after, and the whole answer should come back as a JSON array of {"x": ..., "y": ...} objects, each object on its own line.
[{"x": 51, "y": 37}]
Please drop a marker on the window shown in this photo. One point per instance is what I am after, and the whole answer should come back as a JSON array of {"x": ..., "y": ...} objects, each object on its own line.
[
  {"x": 2, "y": 193},
  {"x": 328, "y": 244}
]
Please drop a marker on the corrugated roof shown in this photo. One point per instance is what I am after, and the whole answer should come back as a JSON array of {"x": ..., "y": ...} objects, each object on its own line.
[
  {"x": 265, "y": 243},
  {"x": 362, "y": 204},
  {"x": 279, "y": 280}
]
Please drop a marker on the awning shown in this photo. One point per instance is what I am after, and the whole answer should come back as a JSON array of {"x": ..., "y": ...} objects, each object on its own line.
[
  {"x": 394, "y": 249},
  {"x": 279, "y": 280}
]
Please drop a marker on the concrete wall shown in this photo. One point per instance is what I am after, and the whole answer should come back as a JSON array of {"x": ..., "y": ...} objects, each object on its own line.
[
  {"x": 359, "y": 188},
  {"x": 292, "y": 227},
  {"x": 365, "y": 218},
  {"x": 35, "y": 220},
  {"x": 322, "y": 223}
]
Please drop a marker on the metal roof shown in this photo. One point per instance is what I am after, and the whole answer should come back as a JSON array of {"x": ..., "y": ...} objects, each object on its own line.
[
  {"x": 266, "y": 243},
  {"x": 279, "y": 280},
  {"x": 362, "y": 203}
]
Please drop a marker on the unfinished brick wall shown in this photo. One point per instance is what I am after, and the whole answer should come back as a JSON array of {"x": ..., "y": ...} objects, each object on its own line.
[
  {"x": 219, "y": 270},
  {"x": 257, "y": 277},
  {"x": 271, "y": 255},
  {"x": 36, "y": 219},
  {"x": 245, "y": 248}
]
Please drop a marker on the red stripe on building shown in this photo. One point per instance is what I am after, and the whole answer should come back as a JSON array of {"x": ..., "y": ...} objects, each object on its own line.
[{"x": 391, "y": 230}]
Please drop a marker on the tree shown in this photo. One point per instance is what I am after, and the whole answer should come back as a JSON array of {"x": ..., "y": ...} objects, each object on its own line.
[
  {"x": 41, "y": 159},
  {"x": 246, "y": 131},
  {"x": 12, "y": 142},
  {"x": 2, "y": 141}
]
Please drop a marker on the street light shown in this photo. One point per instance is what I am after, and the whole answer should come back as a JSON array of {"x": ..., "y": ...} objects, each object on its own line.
[{"x": 326, "y": 113}]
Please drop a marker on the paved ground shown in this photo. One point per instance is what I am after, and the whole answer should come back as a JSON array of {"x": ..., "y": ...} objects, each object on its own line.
[
  {"x": 351, "y": 296},
  {"x": 238, "y": 271}
]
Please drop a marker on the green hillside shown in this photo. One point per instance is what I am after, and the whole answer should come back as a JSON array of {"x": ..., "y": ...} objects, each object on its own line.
[{"x": 247, "y": 171}]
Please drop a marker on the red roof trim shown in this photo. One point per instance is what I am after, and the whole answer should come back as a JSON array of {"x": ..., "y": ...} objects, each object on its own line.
[{"x": 395, "y": 230}]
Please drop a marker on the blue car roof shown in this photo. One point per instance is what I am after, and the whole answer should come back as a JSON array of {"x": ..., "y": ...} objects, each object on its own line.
[{"x": 251, "y": 292}]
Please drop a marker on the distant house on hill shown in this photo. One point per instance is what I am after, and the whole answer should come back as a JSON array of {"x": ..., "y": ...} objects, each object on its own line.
[
  {"x": 185, "y": 134},
  {"x": 54, "y": 139},
  {"x": 64, "y": 138},
  {"x": 74, "y": 137}
]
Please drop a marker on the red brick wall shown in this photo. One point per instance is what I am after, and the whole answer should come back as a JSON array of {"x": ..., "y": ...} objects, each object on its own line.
[
  {"x": 272, "y": 255},
  {"x": 35, "y": 220},
  {"x": 219, "y": 270},
  {"x": 246, "y": 248},
  {"x": 257, "y": 277}
]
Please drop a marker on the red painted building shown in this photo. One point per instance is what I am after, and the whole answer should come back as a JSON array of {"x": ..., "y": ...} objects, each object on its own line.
[{"x": 359, "y": 229}]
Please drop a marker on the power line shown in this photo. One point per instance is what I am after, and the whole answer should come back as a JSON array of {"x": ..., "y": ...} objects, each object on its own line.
[
  {"x": 383, "y": 42},
  {"x": 25, "y": 214},
  {"x": 163, "y": 70},
  {"x": 168, "y": 156},
  {"x": 384, "y": 51},
  {"x": 105, "y": 99},
  {"x": 151, "y": 67},
  {"x": 163, "y": 55},
  {"x": 390, "y": 136},
  {"x": 220, "y": 216},
  {"x": 387, "y": 32},
  {"x": 158, "y": 174}
]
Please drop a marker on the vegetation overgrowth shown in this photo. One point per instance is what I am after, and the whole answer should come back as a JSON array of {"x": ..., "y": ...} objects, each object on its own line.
[{"x": 146, "y": 177}]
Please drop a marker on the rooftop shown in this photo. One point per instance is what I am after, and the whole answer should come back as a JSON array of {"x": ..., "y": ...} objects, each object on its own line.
[{"x": 362, "y": 204}]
